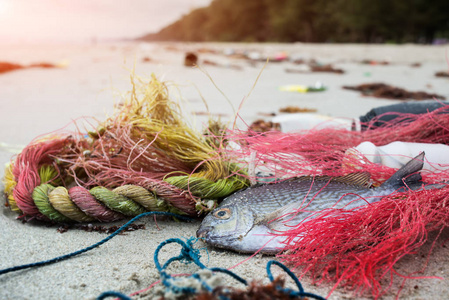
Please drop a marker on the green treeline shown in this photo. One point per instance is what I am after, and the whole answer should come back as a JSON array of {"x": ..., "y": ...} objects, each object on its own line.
[{"x": 360, "y": 21}]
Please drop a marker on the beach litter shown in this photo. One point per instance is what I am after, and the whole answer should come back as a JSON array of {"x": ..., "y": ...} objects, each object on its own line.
[
  {"x": 382, "y": 90},
  {"x": 190, "y": 59},
  {"x": 257, "y": 219},
  {"x": 396, "y": 154},
  {"x": 318, "y": 87},
  {"x": 442, "y": 74},
  {"x": 375, "y": 62},
  {"x": 263, "y": 126},
  {"x": 314, "y": 67},
  {"x": 8, "y": 67},
  {"x": 326, "y": 68},
  {"x": 203, "y": 284},
  {"x": 296, "y": 122},
  {"x": 403, "y": 112},
  {"x": 145, "y": 160},
  {"x": 296, "y": 109},
  {"x": 219, "y": 65},
  {"x": 376, "y": 117},
  {"x": 360, "y": 247}
]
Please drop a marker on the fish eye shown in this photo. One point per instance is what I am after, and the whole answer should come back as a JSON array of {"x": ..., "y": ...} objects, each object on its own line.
[{"x": 224, "y": 213}]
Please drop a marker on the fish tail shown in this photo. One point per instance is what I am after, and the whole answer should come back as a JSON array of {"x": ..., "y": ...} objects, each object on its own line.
[{"x": 407, "y": 175}]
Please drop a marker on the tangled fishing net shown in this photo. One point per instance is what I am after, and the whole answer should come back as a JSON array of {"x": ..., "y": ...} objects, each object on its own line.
[
  {"x": 145, "y": 158},
  {"x": 356, "y": 248}
]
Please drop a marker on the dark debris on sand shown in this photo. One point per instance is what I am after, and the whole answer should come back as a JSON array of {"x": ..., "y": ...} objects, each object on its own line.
[
  {"x": 315, "y": 67},
  {"x": 442, "y": 74},
  {"x": 326, "y": 68},
  {"x": 255, "y": 291},
  {"x": 381, "y": 90},
  {"x": 296, "y": 109},
  {"x": 264, "y": 126},
  {"x": 99, "y": 228}
]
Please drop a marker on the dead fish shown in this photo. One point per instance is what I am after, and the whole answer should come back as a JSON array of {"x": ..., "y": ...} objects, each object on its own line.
[{"x": 244, "y": 222}]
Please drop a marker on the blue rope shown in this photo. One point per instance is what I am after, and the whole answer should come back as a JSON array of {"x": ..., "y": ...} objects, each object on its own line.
[
  {"x": 113, "y": 294},
  {"x": 189, "y": 254},
  {"x": 67, "y": 256},
  {"x": 300, "y": 293}
]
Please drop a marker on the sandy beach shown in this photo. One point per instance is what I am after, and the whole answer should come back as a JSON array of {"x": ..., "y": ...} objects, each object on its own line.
[{"x": 92, "y": 78}]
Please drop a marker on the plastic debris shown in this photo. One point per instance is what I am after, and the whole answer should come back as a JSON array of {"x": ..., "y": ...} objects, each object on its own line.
[
  {"x": 397, "y": 154},
  {"x": 318, "y": 87},
  {"x": 379, "y": 116},
  {"x": 306, "y": 121}
]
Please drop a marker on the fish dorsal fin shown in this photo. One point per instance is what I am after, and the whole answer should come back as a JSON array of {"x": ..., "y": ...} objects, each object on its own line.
[
  {"x": 406, "y": 173},
  {"x": 361, "y": 179}
]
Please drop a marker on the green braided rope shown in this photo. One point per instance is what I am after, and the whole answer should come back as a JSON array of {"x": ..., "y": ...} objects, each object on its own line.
[
  {"x": 40, "y": 197},
  {"x": 117, "y": 202},
  {"x": 147, "y": 199},
  {"x": 205, "y": 188},
  {"x": 130, "y": 200},
  {"x": 60, "y": 200}
]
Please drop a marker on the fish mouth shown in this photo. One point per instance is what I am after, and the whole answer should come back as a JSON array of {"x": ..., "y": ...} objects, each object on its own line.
[{"x": 203, "y": 231}]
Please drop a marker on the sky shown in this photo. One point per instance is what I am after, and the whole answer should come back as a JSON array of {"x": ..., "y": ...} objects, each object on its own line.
[{"x": 85, "y": 20}]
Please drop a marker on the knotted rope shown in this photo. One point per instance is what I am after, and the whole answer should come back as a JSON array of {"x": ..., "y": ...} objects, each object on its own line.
[{"x": 188, "y": 254}]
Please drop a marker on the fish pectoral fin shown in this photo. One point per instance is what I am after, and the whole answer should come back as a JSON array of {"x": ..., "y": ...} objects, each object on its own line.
[{"x": 275, "y": 218}]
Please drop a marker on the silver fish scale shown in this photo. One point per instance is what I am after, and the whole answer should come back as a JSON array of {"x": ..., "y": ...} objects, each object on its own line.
[{"x": 270, "y": 197}]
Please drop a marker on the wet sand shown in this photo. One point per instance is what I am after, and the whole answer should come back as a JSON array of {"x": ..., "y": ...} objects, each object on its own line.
[{"x": 37, "y": 101}]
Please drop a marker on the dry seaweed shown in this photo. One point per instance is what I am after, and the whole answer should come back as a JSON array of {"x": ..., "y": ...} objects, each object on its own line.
[
  {"x": 296, "y": 109},
  {"x": 263, "y": 126},
  {"x": 381, "y": 90},
  {"x": 442, "y": 74},
  {"x": 325, "y": 68}
]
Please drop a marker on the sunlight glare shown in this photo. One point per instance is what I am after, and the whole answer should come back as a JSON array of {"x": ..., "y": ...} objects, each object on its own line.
[{"x": 4, "y": 6}]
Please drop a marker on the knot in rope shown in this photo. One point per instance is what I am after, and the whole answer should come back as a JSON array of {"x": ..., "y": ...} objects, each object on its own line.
[{"x": 189, "y": 253}]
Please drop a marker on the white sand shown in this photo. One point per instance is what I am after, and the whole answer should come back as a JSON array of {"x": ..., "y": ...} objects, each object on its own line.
[{"x": 38, "y": 101}]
